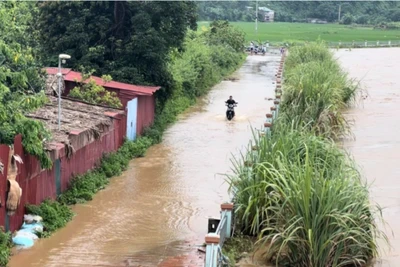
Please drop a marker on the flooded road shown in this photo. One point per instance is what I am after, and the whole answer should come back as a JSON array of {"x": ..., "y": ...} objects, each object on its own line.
[
  {"x": 159, "y": 208},
  {"x": 377, "y": 133}
]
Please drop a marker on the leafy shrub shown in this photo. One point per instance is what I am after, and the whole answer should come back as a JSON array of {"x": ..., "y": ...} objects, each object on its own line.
[
  {"x": 55, "y": 215},
  {"x": 5, "y": 247},
  {"x": 83, "y": 187},
  {"x": 89, "y": 91}
]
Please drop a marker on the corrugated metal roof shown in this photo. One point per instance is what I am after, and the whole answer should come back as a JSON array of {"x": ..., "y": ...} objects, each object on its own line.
[
  {"x": 72, "y": 76},
  {"x": 75, "y": 116},
  {"x": 265, "y": 9}
]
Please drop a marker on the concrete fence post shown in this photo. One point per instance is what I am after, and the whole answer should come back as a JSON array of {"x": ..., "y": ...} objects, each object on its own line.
[
  {"x": 228, "y": 207},
  {"x": 366, "y": 43},
  {"x": 269, "y": 118},
  {"x": 390, "y": 43},
  {"x": 212, "y": 244},
  {"x": 273, "y": 111},
  {"x": 267, "y": 126},
  {"x": 276, "y": 104},
  {"x": 377, "y": 43}
]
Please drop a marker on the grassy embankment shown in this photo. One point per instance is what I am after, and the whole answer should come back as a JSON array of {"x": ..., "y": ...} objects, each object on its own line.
[
  {"x": 277, "y": 32},
  {"x": 202, "y": 64},
  {"x": 303, "y": 198}
]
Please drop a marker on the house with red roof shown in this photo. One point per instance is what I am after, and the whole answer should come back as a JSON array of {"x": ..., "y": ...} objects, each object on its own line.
[{"x": 138, "y": 101}]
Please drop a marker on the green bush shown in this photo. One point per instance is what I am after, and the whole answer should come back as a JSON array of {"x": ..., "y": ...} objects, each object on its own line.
[
  {"x": 82, "y": 188},
  {"x": 55, "y": 215},
  {"x": 5, "y": 247}
]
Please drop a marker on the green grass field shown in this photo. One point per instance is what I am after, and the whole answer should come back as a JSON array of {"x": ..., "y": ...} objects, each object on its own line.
[{"x": 281, "y": 31}]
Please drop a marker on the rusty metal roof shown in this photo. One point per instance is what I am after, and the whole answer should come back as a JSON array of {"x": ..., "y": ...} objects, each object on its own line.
[
  {"x": 75, "y": 117},
  {"x": 72, "y": 76}
]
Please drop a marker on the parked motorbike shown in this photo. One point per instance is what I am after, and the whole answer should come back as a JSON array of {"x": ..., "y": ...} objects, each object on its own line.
[
  {"x": 256, "y": 49},
  {"x": 230, "y": 113}
]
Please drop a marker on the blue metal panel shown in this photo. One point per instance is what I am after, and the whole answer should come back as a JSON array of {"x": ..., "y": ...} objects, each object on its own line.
[{"x": 131, "y": 119}]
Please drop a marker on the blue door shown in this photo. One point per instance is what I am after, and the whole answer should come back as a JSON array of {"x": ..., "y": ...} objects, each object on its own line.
[{"x": 131, "y": 119}]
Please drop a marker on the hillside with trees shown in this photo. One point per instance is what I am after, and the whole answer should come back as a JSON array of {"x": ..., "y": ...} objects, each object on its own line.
[{"x": 291, "y": 11}]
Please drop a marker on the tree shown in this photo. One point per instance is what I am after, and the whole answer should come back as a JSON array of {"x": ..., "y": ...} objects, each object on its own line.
[
  {"x": 395, "y": 15},
  {"x": 17, "y": 23},
  {"x": 362, "y": 20},
  {"x": 21, "y": 80},
  {"x": 130, "y": 41},
  {"x": 347, "y": 19},
  {"x": 17, "y": 97},
  {"x": 222, "y": 33}
]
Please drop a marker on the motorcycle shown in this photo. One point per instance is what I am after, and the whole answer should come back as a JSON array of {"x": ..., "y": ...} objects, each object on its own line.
[{"x": 230, "y": 113}]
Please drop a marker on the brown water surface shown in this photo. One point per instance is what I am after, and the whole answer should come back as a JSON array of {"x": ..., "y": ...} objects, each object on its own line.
[
  {"x": 159, "y": 208},
  {"x": 377, "y": 132}
]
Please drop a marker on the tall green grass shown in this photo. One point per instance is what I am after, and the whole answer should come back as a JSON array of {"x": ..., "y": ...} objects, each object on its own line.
[
  {"x": 296, "y": 190},
  {"x": 316, "y": 91}
]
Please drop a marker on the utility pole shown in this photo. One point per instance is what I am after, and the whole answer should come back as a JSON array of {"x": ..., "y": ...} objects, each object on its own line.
[
  {"x": 61, "y": 59},
  {"x": 340, "y": 9},
  {"x": 256, "y": 16}
]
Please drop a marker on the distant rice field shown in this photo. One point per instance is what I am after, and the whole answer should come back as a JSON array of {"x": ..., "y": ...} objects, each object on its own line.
[{"x": 283, "y": 31}]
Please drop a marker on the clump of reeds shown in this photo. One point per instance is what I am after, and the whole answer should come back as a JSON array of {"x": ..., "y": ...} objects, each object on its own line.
[
  {"x": 304, "y": 197},
  {"x": 316, "y": 91}
]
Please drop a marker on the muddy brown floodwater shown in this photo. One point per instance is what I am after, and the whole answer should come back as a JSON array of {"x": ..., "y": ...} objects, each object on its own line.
[
  {"x": 377, "y": 131},
  {"x": 159, "y": 207}
]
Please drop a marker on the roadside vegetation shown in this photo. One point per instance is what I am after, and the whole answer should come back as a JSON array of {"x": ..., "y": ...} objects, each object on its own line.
[
  {"x": 299, "y": 194},
  {"x": 5, "y": 247}
]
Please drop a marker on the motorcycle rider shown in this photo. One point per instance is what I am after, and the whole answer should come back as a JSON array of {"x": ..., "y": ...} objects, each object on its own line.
[{"x": 230, "y": 101}]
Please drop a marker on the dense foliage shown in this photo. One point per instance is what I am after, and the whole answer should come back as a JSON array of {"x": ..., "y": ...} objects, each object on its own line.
[
  {"x": 131, "y": 41},
  {"x": 21, "y": 91},
  {"x": 295, "y": 189},
  {"x": 366, "y": 12}
]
